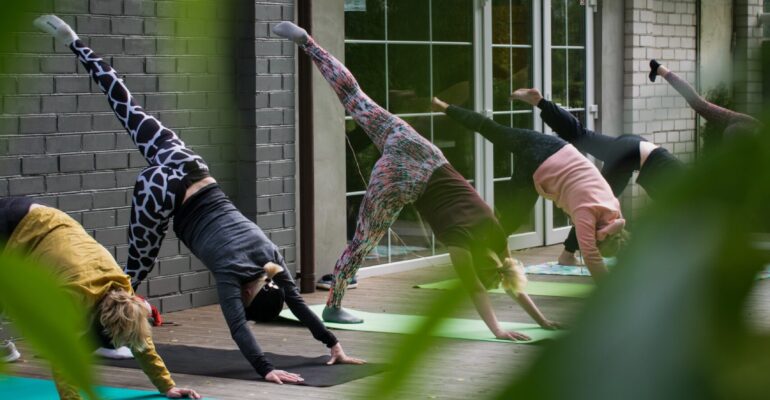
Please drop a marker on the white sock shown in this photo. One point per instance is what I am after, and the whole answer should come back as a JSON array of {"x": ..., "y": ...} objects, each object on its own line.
[
  {"x": 121, "y": 353},
  {"x": 57, "y": 28},
  {"x": 292, "y": 32}
]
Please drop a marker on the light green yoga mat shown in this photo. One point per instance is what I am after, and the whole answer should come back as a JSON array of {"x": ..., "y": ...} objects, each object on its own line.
[
  {"x": 454, "y": 328},
  {"x": 537, "y": 288},
  {"x": 12, "y": 387}
]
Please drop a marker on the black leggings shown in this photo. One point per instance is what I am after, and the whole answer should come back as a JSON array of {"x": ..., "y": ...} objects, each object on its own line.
[
  {"x": 160, "y": 188},
  {"x": 620, "y": 155}
]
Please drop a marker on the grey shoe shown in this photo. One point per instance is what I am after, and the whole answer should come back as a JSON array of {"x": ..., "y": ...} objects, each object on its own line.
[{"x": 8, "y": 352}]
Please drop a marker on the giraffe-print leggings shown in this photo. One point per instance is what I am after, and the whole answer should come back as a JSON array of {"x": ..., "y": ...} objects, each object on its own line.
[
  {"x": 731, "y": 122},
  {"x": 399, "y": 176},
  {"x": 159, "y": 188}
]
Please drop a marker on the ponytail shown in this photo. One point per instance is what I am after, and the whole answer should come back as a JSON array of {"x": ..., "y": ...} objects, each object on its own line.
[{"x": 513, "y": 277}]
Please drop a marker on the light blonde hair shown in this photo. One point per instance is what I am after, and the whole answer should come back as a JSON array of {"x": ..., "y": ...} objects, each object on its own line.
[
  {"x": 612, "y": 244},
  {"x": 513, "y": 277},
  {"x": 271, "y": 269},
  {"x": 124, "y": 318},
  {"x": 511, "y": 273}
]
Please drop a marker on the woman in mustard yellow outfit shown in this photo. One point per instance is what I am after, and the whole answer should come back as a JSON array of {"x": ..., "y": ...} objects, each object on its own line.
[{"x": 87, "y": 271}]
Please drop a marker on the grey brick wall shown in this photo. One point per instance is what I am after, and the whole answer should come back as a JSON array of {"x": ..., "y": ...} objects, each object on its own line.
[
  {"x": 664, "y": 30},
  {"x": 60, "y": 143}
]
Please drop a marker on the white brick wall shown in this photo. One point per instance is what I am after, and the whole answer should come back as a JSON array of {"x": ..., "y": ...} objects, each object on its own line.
[
  {"x": 666, "y": 31},
  {"x": 748, "y": 68}
]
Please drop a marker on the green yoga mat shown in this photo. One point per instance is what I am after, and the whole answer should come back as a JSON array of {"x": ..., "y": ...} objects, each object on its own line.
[
  {"x": 454, "y": 328},
  {"x": 12, "y": 387},
  {"x": 537, "y": 288}
]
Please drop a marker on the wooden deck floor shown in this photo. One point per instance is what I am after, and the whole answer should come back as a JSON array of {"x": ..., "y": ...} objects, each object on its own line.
[{"x": 457, "y": 370}]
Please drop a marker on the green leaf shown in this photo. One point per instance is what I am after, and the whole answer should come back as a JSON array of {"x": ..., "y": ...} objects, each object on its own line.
[
  {"x": 668, "y": 323},
  {"x": 49, "y": 318}
]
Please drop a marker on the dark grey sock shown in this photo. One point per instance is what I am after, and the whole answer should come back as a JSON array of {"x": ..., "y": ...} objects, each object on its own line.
[{"x": 291, "y": 31}]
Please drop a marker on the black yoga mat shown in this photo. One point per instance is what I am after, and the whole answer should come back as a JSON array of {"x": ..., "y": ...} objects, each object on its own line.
[{"x": 231, "y": 364}]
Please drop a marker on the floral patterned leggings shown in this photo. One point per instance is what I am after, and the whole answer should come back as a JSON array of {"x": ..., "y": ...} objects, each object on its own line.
[
  {"x": 398, "y": 178},
  {"x": 730, "y": 121}
]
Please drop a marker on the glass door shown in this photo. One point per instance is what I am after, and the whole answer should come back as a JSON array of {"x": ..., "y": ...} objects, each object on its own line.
[
  {"x": 568, "y": 73},
  {"x": 534, "y": 43},
  {"x": 513, "y": 61}
]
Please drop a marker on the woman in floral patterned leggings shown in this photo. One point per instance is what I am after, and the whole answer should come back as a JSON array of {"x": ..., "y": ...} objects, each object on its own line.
[{"x": 413, "y": 170}]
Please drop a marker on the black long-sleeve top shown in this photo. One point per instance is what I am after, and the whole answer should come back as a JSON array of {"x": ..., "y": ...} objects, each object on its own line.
[
  {"x": 235, "y": 250},
  {"x": 12, "y": 211}
]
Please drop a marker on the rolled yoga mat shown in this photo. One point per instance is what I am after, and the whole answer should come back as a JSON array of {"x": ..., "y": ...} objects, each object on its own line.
[
  {"x": 12, "y": 387},
  {"x": 453, "y": 328},
  {"x": 231, "y": 364},
  {"x": 537, "y": 288}
]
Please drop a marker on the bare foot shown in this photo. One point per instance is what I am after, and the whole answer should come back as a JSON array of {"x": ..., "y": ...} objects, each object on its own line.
[
  {"x": 529, "y": 96},
  {"x": 567, "y": 258},
  {"x": 439, "y": 105}
]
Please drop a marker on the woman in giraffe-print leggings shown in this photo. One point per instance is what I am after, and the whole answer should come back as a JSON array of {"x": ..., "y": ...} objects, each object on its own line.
[
  {"x": 413, "y": 170},
  {"x": 177, "y": 184},
  {"x": 730, "y": 122}
]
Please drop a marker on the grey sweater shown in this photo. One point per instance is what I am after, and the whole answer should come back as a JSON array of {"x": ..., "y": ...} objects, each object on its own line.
[{"x": 234, "y": 249}]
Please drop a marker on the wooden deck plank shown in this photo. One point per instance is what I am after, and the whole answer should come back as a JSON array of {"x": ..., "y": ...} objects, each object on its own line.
[{"x": 457, "y": 369}]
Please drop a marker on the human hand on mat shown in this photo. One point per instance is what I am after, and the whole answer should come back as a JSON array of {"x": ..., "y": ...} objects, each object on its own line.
[
  {"x": 551, "y": 325},
  {"x": 279, "y": 376},
  {"x": 338, "y": 356},
  {"x": 178, "y": 393},
  {"x": 503, "y": 335}
]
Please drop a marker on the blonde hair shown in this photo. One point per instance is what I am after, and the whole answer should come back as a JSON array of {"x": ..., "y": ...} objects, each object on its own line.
[
  {"x": 612, "y": 244},
  {"x": 513, "y": 277},
  {"x": 124, "y": 318},
  {"x": 271, "y": 269},
  {"x": 511, "y": 273}
]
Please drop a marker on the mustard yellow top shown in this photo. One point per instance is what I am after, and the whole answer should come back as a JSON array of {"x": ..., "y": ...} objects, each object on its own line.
[{"x": 86, "y": 269}]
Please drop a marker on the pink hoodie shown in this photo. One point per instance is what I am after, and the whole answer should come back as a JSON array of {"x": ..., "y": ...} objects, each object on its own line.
[{"x": 577, "y": 187}]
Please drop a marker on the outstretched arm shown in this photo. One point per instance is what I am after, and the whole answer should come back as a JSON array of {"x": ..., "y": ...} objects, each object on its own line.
[
  {"x": 463, "y": 265},
  {"x": 232, "y": 307}
]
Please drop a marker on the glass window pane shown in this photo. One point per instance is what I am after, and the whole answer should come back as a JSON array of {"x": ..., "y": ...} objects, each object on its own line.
[
  {"x": 577, "y": 74},
  {"x": 367, "y": 62},
  {"x": 559, "y": 22},
  {"x": 501, "y": 79},
  {"x": 521, "y": 20},
  {"x": 452, "y": 20},
  {"x": 503, "y": 161},
  {"x": 360, "y": 157},
  {"x": 501, "y": 21},
  {"x": 453, "y": 74},
  {"x": 504, "y": 207},
  {"x": 576, "y": 23},
  {"x": 457, "y": 144},
  {"x": 560, "y": 218},
  {"x": 365, "y": 19},
  {"x": 408, "y": 20},
  {"x": 410, "y": 236},
  {"x": 558, "y": 76},
  {"x": 521, "y": 74},
  {"x": 408, "y": 78}
]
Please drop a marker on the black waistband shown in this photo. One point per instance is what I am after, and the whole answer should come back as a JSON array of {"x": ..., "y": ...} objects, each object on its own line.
[{"x": 12, "y": 211}]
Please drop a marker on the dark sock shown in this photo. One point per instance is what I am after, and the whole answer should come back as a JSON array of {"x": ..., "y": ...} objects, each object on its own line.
[{"x": 653, "y": 70}]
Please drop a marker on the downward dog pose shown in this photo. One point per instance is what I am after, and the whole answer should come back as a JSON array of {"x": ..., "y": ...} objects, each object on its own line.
[
  {"x": 730, "y": 121},
  {"x": 622, "y": 155},
  {"x": 88, "y": 271},
  {"x": 177, "y": 183},
  {"x": 556, "y": 170},
  {"x": 413, "y": 170}
]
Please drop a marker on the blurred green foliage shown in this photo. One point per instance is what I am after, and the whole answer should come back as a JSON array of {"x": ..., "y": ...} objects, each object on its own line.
[{"x": 49, "y": 318}]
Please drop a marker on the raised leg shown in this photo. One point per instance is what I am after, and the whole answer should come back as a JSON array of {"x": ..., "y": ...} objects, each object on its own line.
[{"x": 157, "y": 193}]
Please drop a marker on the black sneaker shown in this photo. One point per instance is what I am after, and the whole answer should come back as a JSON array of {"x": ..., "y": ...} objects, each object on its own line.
[{"x": 327, "y": 281}]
